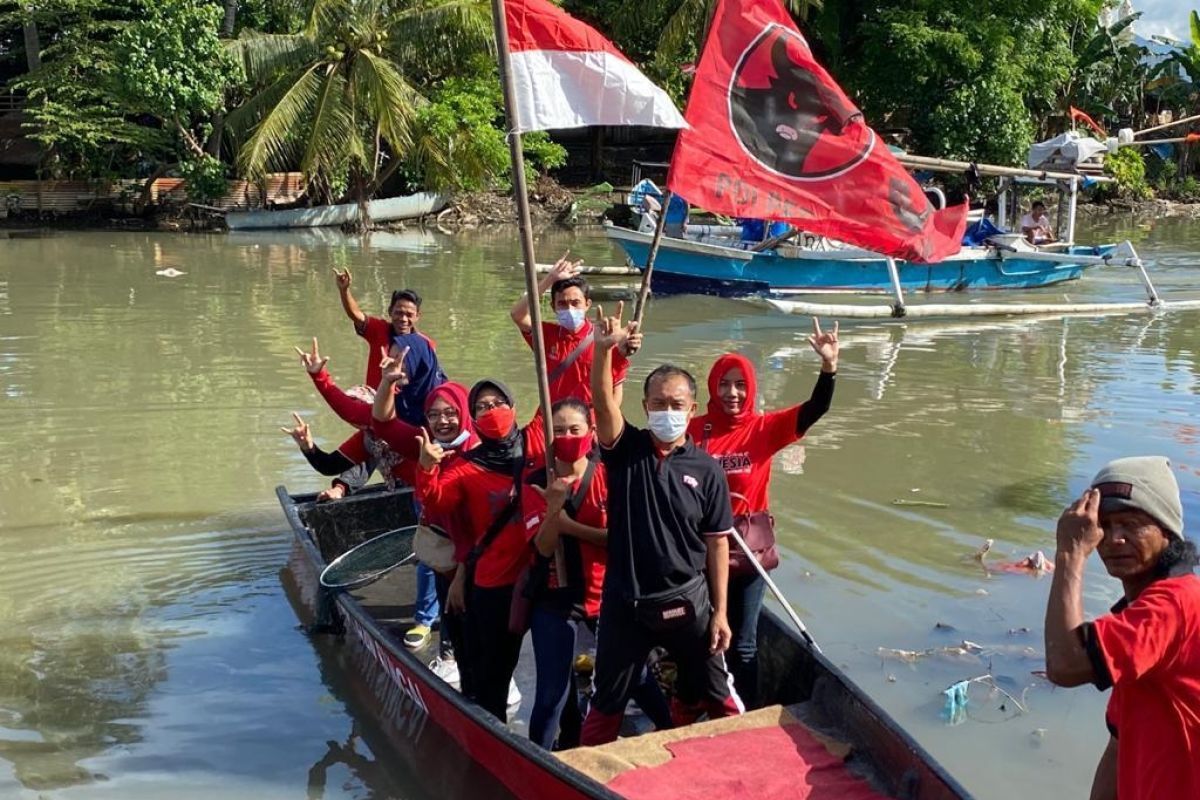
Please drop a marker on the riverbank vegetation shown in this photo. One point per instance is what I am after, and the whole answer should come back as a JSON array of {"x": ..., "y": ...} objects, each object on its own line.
[{"x": 369, "y": 97}]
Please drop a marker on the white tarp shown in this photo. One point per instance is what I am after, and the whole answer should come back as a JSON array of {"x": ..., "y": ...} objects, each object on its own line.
[{"x": 1068, "y": 148}]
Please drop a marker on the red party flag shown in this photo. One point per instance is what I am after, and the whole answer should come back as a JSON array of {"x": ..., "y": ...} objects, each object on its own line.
[
  {"x": 772, "y": 136},
  {"x": 1076, "y": 114}
]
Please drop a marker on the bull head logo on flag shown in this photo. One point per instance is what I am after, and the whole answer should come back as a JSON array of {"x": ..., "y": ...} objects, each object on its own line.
[{"x": 772, "y": 136}]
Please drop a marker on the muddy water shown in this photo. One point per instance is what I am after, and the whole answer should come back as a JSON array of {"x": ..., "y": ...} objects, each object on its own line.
[{"x": 149, "y": 648}]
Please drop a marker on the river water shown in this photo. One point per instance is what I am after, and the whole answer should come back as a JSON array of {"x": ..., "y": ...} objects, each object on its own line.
[{"x": 149, "y": 649}]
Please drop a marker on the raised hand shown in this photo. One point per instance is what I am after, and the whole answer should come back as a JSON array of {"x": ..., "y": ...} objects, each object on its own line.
[
  {"x": 1079, "y": 526},
  {"x": 556, "y": 496},
  {"x": 313, "y": 362},
  {"x": 564, "y": 268},
  {"x": 825, "y": 345},
  {"x": 609, "y": 330},
  {"x": 431, "y": 453},
  {"x": 392, "y": 369},
  {"x": 342, "y": 279},
  {"x": 301, "y": 434}
]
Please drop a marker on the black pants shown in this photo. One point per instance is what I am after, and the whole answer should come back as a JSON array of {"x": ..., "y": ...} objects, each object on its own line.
[
  {"x": 623, "y": 643},
  {"x": 451, "y": 624},
  {"x": 492, "y": 651}
]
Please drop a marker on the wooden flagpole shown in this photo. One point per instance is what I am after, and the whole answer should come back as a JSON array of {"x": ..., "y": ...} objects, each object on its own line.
[
  {"x": 644, "y": 293},
  {"x": 521, "y": 194}
]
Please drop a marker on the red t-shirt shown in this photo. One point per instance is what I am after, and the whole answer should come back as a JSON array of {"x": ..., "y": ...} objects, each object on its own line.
[
  {"x": 356, "y": 450},
  {"x": 1152, "y": 651},
  {"x": 478, "y": 495},
  {"x": 378, "y": 333},
  {"x": 349, "y": 409},
  {"x": 593, "y": 512},
  {"x": 745, "y": 453},
  {"x": 576, "y": 379}
]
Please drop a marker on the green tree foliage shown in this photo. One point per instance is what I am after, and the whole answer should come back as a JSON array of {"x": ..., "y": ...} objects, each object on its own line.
[
  {"x": 1128, "y": 169},
  {"x": 344, "y": 94}
]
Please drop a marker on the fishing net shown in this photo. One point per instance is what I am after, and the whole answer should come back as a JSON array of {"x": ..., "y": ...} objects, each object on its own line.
[{"x": 371, "y": 560}]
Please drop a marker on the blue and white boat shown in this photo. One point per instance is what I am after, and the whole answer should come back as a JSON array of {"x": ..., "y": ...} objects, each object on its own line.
[{"x": 709, "y": 267}]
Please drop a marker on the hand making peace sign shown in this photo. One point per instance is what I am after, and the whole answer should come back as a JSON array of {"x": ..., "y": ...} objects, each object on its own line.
[{"x": 313, "y": 362}]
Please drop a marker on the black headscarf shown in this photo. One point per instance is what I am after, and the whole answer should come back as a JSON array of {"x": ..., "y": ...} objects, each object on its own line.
[{"x": 498, "y": 455}]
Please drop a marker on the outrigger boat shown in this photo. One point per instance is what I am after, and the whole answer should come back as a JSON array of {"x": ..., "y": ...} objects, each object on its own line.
[
  {"x": 818, "y": 731},
  {"x": 814, "y": 265}
]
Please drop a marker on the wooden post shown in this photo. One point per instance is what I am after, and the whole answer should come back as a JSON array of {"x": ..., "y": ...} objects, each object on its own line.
[{"x": 639, "y": 312}]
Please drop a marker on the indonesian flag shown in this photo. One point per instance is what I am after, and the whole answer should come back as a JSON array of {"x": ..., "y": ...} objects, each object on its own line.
[
  {"x": 566, "y": 75},
  {"x": 772, "y": 136}
]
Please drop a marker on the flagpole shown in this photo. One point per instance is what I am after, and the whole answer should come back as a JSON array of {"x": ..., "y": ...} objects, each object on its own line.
[
  {"x": 521, "y": 194},
  {"x": 644, "y": 293},
  {"x": 534, "y": 297}
]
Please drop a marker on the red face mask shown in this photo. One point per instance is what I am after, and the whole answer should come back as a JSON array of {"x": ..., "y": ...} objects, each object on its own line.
[
  {"x": 495, "y": 423},
  {"x": 572, "y": 448}
]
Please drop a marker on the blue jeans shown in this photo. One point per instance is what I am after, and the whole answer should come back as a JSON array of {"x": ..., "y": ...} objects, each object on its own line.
[
  {"x": 426, "y": 604},
  {"x": 745, "y": 601},
  {"x": 554, "y": 654}
]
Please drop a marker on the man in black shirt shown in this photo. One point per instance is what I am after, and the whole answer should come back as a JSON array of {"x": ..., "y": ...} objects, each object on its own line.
[{"x": 668, "y": 552}]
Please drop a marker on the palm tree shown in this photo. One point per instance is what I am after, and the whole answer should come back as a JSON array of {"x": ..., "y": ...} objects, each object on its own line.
[
  {"x": 688, "y": 24},
  {"x": 342, "y": 96}
]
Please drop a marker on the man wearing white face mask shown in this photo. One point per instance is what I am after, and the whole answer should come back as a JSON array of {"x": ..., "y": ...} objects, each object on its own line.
[
  {"x": 570, "y": 338},
  {"x": 668, "y": 548}
]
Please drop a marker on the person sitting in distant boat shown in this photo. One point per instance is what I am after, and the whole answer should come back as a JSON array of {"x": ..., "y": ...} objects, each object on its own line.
[
  {"x": 1035, "y": 226},
  {"x": 1148, "y": 648},
  {"x": 743, "y": 440},
  {"x": 404, "y": 311},
  {"x": 569, "y": 340}
]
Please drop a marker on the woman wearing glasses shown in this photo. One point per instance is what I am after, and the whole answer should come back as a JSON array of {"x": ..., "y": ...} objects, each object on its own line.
[{"x": 479, "y": 489}]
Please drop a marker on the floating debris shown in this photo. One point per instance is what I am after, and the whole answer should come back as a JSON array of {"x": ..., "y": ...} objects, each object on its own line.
[
  {"x": 169, "y": 272},
  {"x": 984, "y": 549},
  {"x": 899, "y": 501}
]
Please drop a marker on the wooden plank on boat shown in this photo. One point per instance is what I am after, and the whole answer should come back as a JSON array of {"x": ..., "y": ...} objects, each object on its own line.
[
  {"x": 929, "y": 310},
  {"x": 593, "y": 270}
]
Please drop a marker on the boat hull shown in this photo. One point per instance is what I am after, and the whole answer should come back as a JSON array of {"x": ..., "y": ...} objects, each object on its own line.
[
  {"x": 682, "y": 266},
  {"x": 387, "y": 209},
  {"x": 414, "y": 702}
]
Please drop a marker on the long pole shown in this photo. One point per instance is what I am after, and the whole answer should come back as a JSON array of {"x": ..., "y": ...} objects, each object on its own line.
[
  {"x": 1167, "y": 125},
  {"x": 897, "y": 292},
  {"x": 783, "y": 601},
  {"x": 520, "y": 192},
  {"x": 644, "y": 293}
]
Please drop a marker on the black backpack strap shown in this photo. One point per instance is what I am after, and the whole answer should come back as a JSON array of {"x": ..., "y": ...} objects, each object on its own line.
[
  {"x": 580, "y": 494},
  {"x": 498, "y": 523}
]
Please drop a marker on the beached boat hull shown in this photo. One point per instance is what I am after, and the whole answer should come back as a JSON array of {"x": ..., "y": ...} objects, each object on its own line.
[
  {"x": 388, "y": 209},
  {"x": 413, "y": 699},
  {"x": 682, "y": 265}
]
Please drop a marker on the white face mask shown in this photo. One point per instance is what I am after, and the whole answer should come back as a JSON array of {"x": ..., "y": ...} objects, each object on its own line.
[
  {"x": 457, "y": 441},
  {"x": 667, "y": 426},
  {"x": 571, "y": 318}
]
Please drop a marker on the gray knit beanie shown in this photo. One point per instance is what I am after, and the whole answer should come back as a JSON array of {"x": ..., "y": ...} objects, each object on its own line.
[{"x": 1145, "y": 483}]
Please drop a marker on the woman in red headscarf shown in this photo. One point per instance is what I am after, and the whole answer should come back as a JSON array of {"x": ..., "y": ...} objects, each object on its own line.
[{"x": 744, "y": 440}]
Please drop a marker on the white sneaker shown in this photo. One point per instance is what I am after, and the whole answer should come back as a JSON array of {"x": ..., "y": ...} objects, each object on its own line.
[
  {"x": 514, "y": 694},
  {"x": 447, "y": 670}
]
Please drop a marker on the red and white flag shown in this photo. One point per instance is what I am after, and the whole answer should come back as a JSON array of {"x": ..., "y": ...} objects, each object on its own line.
[
  {"x": 772, "y": 136},
  {"x": 566, "y": 75}
]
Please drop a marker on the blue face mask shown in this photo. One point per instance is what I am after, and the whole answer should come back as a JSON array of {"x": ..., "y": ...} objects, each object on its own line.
[{"x": 571, "y": 318}]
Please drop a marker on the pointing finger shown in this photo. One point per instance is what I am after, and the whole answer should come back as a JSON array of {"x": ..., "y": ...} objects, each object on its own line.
[
  {"x": 296, "y": 417},
  {"x": 314, "y": 345},
  {"x": 298, "y": 350},
  {"x": 620, "y": 309},
  {"x": 816, "y": 326},
  {"x": 835, "y": 329}
]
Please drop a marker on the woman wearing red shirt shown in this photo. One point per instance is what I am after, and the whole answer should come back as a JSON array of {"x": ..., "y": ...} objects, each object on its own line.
[
  {"x": 744, "y": 440},
  {"x": 481, "y": 485}
]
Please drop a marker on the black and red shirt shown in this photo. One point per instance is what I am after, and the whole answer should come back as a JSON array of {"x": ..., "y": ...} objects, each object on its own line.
[
  {"x": 585, "y": 562},
  {"x": 1149, "y": 651},
  {"x": 660, "y": 511}
]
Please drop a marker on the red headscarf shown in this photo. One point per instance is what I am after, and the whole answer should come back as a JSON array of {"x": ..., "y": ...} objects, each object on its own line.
[
  {"x": 720, "y": 420},
  {"x": 456, "y": 395}
]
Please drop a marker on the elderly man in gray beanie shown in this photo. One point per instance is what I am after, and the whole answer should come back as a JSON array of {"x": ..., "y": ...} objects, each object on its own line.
[{"x": 1148, "y": 648}]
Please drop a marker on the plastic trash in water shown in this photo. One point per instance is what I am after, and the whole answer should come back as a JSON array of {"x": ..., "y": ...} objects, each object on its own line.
[{"x": 955, "y": 709}]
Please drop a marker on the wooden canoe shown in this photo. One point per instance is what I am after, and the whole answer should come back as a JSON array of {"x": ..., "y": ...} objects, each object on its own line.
[
  {"x": 384, "y": 210},
  {"x": 423, "y": 713}
]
